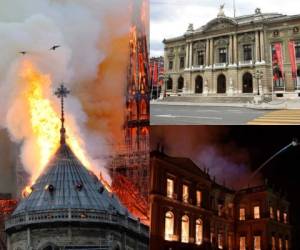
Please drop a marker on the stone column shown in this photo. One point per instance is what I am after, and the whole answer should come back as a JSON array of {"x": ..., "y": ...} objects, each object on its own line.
[
  {"x": 191, "y": 55},
  {"x": 257, "y": 57},
  {"x": 207, "y": 53},
  {"x": 262, "y": 46},
  {"x": 235, "y": 50},
  {"x": 28, "y": 238},
  {"x": 211, "y": 52},
  {"x": 186, "y": 55},
  {"x": 230, "y": 50}
]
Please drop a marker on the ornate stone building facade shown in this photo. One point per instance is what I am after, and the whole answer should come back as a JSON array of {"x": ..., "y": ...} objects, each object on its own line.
[
  {"x": 250, "y": 55},
  {"x": 189, "y": 210}
]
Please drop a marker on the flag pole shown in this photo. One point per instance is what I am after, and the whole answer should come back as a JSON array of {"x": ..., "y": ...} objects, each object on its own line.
[{"x": 234, "y": 9}]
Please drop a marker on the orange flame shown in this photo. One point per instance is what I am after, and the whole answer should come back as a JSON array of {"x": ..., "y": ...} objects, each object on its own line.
[{"x": 45, "y": 122}]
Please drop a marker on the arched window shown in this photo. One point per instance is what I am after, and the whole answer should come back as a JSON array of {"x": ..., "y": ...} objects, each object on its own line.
[
  {"x": 169, "y": 225},
  {"x": 185, "y": 226},
  {"x": 199, "y": 85},
  {"x": 199, "y": 232},
  {"x": 221, "y": 84},
  {"x": 247, "y": 83},
  {"x": 180, "y": 83},
  {"x": 169, "y": 83}
]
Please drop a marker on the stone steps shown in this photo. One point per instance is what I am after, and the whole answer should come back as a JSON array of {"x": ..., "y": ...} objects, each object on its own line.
[{"x": 210, "y": 99}]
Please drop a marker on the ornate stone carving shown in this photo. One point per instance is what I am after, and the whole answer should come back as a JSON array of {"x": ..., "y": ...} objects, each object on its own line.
[
  {"x": 247, "y": 38},
  {"x": 201, "y": 45},
  {"x": 221, "y": 42}
]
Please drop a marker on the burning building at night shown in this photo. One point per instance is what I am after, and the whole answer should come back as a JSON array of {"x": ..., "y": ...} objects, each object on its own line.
[{"x": 189, "y": 210}]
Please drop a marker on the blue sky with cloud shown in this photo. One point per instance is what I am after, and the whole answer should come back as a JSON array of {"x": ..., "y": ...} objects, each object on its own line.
[{"x": 169, "y": 18}]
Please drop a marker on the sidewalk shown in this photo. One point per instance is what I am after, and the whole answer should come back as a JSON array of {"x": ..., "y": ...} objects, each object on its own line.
[{"x": 273, "y": 105}]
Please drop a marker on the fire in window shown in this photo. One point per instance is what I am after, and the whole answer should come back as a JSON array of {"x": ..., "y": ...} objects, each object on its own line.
[
  {"x": 169, "y": 226},
  {"x": 257, "y": 243},
  {"x": 242, "y": 243},
  {"x": 242, "y": 214},
  {"x": 199, "y": 198},
  {"x": 185, "y": 229},
  {"x": 271, "y": 213},
  {"x": 280, "y": 244},
  {"x": 256, "y": 212},
  {"x": 273, "y": 243},
  {"x": 278, "y": 214},
  {"x": 185, "y": 193},
  {"x": 199, "y": 232},
  {"x": 220, "y": 241},
  {"x": 170, "y": 188},
  {"x": 285, "y": 218},
  {"x": 286, "y": 244}
]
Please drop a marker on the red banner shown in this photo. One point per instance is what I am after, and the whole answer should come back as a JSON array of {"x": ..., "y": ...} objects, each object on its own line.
[
  {"x": 292, "y": 53},
  {"x": 155, "y": 73},
  {"x": 278, "y": 57}
]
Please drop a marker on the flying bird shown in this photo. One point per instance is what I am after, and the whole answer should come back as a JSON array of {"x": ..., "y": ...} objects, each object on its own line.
[
  {"x": 55, "y": 47},
  {"x": 23, "y": 52}
]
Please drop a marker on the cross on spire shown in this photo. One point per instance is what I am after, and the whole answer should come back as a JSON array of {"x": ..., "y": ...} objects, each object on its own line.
[{"x": 62, "y": 92}]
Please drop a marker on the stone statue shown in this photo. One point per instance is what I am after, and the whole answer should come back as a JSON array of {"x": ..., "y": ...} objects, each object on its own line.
[{"x": 221, "y": 11}]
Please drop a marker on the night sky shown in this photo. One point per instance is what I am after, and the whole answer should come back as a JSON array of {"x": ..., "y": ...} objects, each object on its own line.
[{"x": 243, "y": 148}]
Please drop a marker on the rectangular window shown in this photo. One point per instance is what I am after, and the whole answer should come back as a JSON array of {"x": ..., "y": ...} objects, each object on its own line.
[
  {"x": 257, "y": 243},
  {"x": 220, "y": 209},
  {"x": 199, "y": 198},
  {"x": 243, "y": 243},
  {"x": 285, "y": 218},
  {"x": 242, "y": 214},
  {"x": 271, "y": 213},
  {"x": 181, "y": 62},
  {"x": 280, "y": 244},
  {"x": 200, "y": 57},
  {"x": 185, "y": 193},
  {"x": 222, "y": 55},
  {"x": 297, "y": 50},
  {"x": 273, "y": 243},
  {"x": 247, "y": 52},
  {"x": 230, "y": 247},
  {"x": 278, "y": 214},
  {"x": 170, "y": 65},
  {"x": 256, "y": 211},
  {"x": 220, "y": 241},
  {"x": 170, "y": 188},
  {"x": 286, "y": 244}
]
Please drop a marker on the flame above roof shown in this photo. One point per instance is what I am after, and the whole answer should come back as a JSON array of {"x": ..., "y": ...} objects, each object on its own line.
[{"x": 67, "y": 184}]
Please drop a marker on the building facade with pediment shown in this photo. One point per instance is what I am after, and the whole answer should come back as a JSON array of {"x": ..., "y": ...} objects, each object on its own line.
[{"x": 246, "y": 56}]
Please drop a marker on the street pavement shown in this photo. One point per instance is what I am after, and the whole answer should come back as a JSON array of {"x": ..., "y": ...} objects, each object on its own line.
[{"x": 174, "y": 114}]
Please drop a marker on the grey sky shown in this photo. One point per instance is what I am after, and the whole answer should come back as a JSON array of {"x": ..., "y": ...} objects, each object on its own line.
[{"x": 169, "y": 18}]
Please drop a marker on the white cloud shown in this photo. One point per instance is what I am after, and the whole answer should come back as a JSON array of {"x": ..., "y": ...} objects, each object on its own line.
[{"x": 170, "y": 18}]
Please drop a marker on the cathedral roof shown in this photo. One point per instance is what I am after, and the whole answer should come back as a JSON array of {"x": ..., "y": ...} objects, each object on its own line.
[{"x": 67, "y": 184}]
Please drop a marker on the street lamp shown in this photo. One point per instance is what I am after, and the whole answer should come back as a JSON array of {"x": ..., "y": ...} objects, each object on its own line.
[{"x": 258, "y": 76}]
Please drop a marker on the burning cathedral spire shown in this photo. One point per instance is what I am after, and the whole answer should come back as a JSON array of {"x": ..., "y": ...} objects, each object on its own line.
[{"x": 74, "y": 206}]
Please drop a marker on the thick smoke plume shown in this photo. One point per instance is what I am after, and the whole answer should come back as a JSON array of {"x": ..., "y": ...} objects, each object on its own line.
[
  {"x": 209, "y": 147},
  {"x": 92, "y": 61}
]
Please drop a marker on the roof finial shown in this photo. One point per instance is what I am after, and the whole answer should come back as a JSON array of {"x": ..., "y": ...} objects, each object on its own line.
[{"x": 62, "y": 92}]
